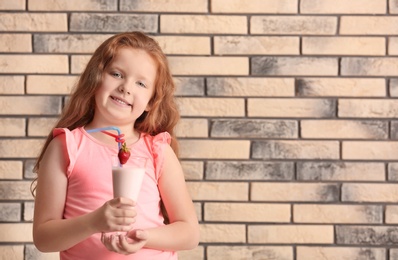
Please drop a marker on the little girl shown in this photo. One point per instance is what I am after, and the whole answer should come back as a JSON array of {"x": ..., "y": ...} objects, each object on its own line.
[{"x": 127, "y": 84}]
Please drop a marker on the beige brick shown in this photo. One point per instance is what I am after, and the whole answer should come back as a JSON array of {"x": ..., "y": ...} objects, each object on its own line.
[
  {"x": 344, "y": 129},
  {"x": 393, "y": 46},
  {"x": 357, "y": 150},
  {"x": 50, "y": 84},
  {"x": 34, "y": 64},
  {"x": 297, "y": 25},
  {"x": 343, "y": 7},
  {"x": 12, "y": 85},
  {"x": 340, "y": 253},
  {"x": 209, "y": 65},
  {"x": 266, "y": 6},
  {"x": 249, "y": 252},
  {"x": 369, "y": 66},
  {"x": 280, "y": 149},
  {"x": 300, "y": 66},
  {"x": 11, "y": 170},
  {"x": 193, "y": 170},
  {"x": 190, "y": 45},
  {"x": 12, "y": 5},
  {"x": 71, "y": 5},
  {"x": 278, "y": 107},
  {"x": 15, "y": 43},
  {"x": 392, "y": 214},
  {"x": 31, "y": 22},
  {"x": 368, "y": 25},
  {"x": 277, "y": 191},
  {"x": 31, "y": 105},
  {"x": 198, "y": 210},
  {"x": 215, "y": 149},
  {"x": 234, "y": 191},
  {"x": 226, "y": 107},
  {"x": 79, "y": 63},
  {"x": 243, "y": 87},
  {"x": 368, "y": 108},
  {"x": 174, "y": 6},
  {"x": 31, "y": 253},
  {"x": 192, "y": 128},
  {"x": 341, "y": 87},
  {"x": 194, "y": 254},
  {"x": 369, "y": 192},
  {"x": 341, "y": 171},
  {"x": 247, "y": 212},
  {"x": 286, "y": 234},
  {"x": 40, "y": 126},
  {"x": 256, "y": 45},
  {"x": 337, "y": 214},
  {"x": 11, "y": 252},
  {"x": 203, "y": 24},
  {"x": 344, "y": 46},
  {"x": 21, "y": 232},
  {"x": 222, "y": 233},
  {"x": 12, "y": 127},
  {"x": 20, "y": 148}
]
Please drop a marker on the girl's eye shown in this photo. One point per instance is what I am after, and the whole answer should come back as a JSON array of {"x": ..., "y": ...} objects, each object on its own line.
[
  {"x": 141, "y": 84},
  {"x": 116, "y": 74}
]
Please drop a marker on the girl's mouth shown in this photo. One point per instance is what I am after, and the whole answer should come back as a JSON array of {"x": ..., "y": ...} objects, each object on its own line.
[{"x": 120, "y": 101}]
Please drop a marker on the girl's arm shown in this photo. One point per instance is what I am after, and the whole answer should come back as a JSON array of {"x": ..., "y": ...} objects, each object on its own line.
[
  {"x": 183, "y": 231},
  {"x": 53, "y": 233}
]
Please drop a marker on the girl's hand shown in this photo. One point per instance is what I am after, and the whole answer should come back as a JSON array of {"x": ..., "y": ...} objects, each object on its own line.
[
  {"x": 115, "y": 215},
  {"x": 127, "y": 244}
]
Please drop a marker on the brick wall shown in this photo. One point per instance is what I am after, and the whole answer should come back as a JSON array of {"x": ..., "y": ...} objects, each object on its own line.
[{"x": 288, "y": 134}]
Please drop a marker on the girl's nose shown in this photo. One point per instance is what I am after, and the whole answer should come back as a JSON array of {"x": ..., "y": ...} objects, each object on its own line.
[{"x": 124, "y": 90}]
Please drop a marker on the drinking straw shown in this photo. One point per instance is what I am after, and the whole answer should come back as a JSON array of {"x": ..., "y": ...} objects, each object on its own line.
[{"x": 103, "y": 129}]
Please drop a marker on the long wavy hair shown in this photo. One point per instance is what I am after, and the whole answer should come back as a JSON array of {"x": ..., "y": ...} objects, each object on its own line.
[{"x": 79, "y": 111}]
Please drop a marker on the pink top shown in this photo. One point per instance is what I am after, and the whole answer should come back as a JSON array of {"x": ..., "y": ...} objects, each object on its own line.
[{"x": 90, "y": 186}]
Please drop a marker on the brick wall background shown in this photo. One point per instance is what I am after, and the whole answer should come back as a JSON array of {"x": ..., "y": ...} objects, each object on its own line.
[{"x": 289, "y": 137}]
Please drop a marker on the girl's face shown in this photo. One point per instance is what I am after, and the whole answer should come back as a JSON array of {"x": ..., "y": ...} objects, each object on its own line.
[{"x": 127, "y": 87}]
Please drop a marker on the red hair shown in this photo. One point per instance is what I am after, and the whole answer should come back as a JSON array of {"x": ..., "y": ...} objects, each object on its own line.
[{"x": 163, "y": 115}]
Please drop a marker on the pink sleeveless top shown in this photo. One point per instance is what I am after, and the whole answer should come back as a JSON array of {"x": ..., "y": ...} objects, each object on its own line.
[{"x": 89, "y": 176}]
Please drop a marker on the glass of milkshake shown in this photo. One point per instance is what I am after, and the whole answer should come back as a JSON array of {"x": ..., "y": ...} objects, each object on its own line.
[{"x": 127, "y": 179}]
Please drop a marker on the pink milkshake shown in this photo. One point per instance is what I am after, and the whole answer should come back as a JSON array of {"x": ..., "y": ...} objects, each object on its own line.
[{"x": 127, "y": 180}]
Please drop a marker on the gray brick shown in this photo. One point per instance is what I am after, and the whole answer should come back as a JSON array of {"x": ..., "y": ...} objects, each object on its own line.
[
  {"x": 295, "y": 150},
  {"x": 70, "y": 43},
  {"x": 28, "y": 169},
  {"x": 254, "y": 128},
  {"x": 394, "y": 130},
  {"x": 189, "y": 86},
  {"x": 294, "y": 66},
  {"x": 367, "y": 235},
  {"x": 393, "y": 171},
  {"x": 332, "y": 171},
  {"x": 31, "y": 253},
  {"x": 393, "y": 86},
  {"x": 15, "y": 190},
  {"x": 28, "y": 210},
  {"x": 89, "y": 22},
  {"x": 10, "y": 212},
  {"x": 219, "y": 170}
]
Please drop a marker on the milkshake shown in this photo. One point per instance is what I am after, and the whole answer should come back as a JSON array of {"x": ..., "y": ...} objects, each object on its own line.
[{"x": 127, "y": 180}]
